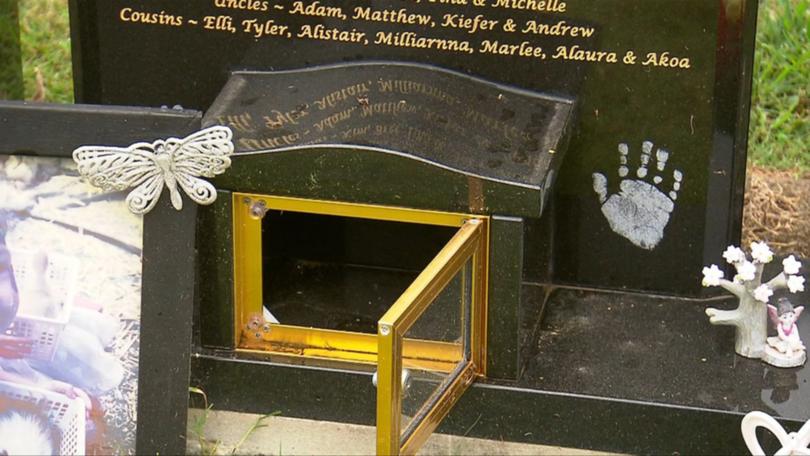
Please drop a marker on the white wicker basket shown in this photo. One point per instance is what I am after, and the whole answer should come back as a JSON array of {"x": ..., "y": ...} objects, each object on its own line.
[
  {"x": 61, "y": 279},
  {"x": 67, "y": 415}
]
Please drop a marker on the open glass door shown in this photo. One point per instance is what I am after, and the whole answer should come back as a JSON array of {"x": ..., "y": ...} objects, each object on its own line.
[
  {"x": 361, "y": 286},
  {"x": 445, "y": 304}
]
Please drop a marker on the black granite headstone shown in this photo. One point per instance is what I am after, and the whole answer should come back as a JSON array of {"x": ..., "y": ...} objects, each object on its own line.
[
  {"x": 11, "y": 80},
  {"x": 652, "y": 186}
]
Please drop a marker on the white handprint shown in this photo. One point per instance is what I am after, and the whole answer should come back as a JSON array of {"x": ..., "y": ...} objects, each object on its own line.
[{"x": 641, "y": 210}]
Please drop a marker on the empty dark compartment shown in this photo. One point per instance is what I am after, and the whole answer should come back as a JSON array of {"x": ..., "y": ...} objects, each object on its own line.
[{"x": 341, "y": 273}]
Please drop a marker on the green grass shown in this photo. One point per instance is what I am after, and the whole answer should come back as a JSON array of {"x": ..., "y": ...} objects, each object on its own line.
[
  {"x": 212, "y": 447},
  {"x": 780, "y": 117},
  {"x": 45, "y": 42}
]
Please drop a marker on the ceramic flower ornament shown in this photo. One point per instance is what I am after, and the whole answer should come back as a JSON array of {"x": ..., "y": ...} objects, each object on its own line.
[
  {"x": 746, "y": 271},
  {"x": 761, "y": 252},
  {"x": 712, "y": 276},
  {"x": 751, "y": 316},
  {"x": 795, "y": 284},
  {"x": 790, "y": 265},
  {"x": 734, "y": 255},
  {"x": 763, "y": 293}
]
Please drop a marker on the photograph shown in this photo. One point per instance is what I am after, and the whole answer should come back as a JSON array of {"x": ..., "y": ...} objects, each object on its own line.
[{"x": 70, "y": 309}]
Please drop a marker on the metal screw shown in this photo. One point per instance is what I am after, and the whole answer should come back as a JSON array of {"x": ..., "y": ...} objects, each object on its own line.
[{"x": 258, "y": 209}]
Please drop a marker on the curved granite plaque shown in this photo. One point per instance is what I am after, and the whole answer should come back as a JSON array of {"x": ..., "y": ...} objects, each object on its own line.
[{"x": 446, "y": 118}]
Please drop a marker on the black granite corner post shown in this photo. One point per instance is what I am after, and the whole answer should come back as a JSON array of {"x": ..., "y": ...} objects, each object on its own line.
[
  {"x": 505, "y": 276},
  {"x": 215, "y": 273},
  {"x": 168, "y": 278},
  {"x": 11, "y": 80}
]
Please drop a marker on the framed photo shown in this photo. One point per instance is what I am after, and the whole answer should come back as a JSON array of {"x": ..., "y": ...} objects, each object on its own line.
[{"x": 96, "y": 302}]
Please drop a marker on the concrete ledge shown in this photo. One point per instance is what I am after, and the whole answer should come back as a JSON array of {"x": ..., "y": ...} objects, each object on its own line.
[{"x": 291, "y": 436}]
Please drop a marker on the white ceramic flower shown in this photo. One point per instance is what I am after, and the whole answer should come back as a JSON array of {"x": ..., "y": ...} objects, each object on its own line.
[
  {"x": 734, "y": 255},
  {"x": 761, "y": 252},
  {"x": 795, "y": 284},
  {"x": 746, "y": 271},
  {"x": 712, "y": 276},
  {"x": 791, "y": 265},
  {"x": 763, "y": 293}
]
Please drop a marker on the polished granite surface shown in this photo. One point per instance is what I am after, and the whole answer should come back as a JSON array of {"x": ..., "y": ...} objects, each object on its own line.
[{"x": 658, "y": 350}]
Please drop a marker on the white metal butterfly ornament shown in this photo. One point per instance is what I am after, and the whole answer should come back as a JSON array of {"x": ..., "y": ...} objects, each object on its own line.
[{"x": 148, "y": 166}]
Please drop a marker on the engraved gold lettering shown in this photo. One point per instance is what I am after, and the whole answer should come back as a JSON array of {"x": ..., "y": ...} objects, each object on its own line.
[
  {"x": 336, "y": 118},
  {"x": 449, "y": 2},
  {"x": 277, "y": 119},
  {"x": 248, "y": 5},
  {"x": 388, "y": 108},
  {"x": 382, "y": 130},
  {"x": 260, "y": 29},
  {"x": 406, "y": 87},
  {"x": 346, "y": 93},
  {"x": 584, "y": 55},
  {"x": 356, "y": 131},
  {"x": 412, "y": 40},
  {"x": 472, "y": 25},
  {"x": 524, "y": 49},
  {"x": 221, "y": 23},
  {"x": 269, "y": 143},
  {"x": 161, "y": 18},
  {"x": 550, "y": 6},
  {"x": 400, "y": 16},
  {"x": 559, "y": 29},
  {"x": 320, "y": 32},
  {"x": 316, "y": 9},
  {"x": 239, "y": 122},
  {"x": 666, "y": 60},
  {"x": 419, "y": 18}
]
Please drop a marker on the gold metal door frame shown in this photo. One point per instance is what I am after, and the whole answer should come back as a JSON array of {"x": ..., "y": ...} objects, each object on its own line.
[
  {"x": 469, "y": 243},
  {"x": 312, "y": 345}
]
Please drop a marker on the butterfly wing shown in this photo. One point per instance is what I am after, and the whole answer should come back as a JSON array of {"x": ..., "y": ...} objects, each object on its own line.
[
  {"x": 203, "y": 154},
  {"x": 146, "y": 195},
  {"x": 118, "y": 168},
  {"x": 773, "y": 314},
  {"x": 200, "y": 191}
]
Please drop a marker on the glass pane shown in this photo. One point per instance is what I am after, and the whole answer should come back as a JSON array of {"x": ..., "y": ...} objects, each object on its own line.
[{"x": 435, "y": 349}]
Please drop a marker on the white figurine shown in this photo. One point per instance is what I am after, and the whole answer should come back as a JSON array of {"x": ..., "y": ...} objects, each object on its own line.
[
  {"x": 786, "y": 349},
  {"x": 751, "y": 315},
  {"x": 794, "y": 443}
]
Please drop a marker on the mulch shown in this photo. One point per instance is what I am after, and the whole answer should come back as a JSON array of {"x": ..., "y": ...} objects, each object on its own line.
[{"x": 777, "y": 210}]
